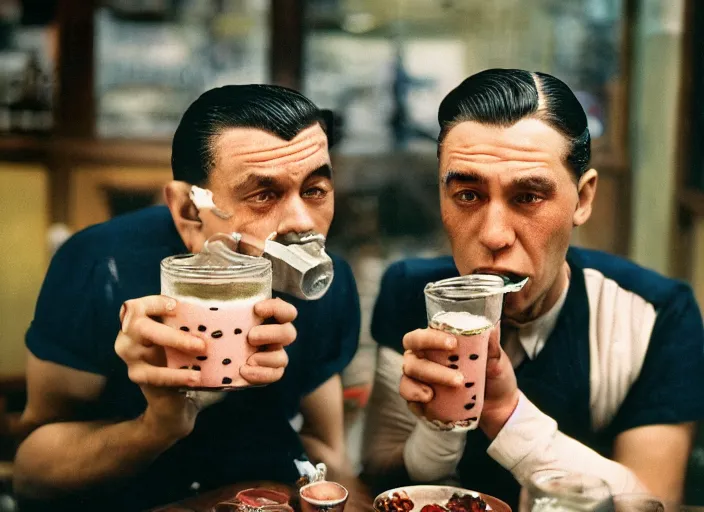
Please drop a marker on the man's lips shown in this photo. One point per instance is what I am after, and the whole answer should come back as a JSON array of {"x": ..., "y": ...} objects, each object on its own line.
[{"x": 514, "y": 277}]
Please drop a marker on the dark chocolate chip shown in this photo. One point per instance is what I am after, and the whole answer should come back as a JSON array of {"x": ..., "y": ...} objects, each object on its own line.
[
  {"x": 474, "y": 357},
  {"x": 468, "y": 384},
  {"x": 184, "y": 368},
  {"x": 226, "y": 380},
  {"x": 213, "y": 309},
  {"x": 238, "y": 331},
  {"x": 454, "y": 366},
  {"x": 202, "y": 328},
  {"x": 184, "y": 328},
  {"x": 468, "y": 406},
  {"x": 217, "y": 334},
  {"x": 201, "y": 358},
  {"x": 195, "y": 367},
  {"x": 474, "y": 397},
  {"x": 454, "y": 358},
  {"x": 226, "y": 361}
]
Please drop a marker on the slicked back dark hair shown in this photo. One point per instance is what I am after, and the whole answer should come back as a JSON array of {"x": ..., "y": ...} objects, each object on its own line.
[
  {"x": 280, "y": 111},
  {"x": 502, "y": 97}
]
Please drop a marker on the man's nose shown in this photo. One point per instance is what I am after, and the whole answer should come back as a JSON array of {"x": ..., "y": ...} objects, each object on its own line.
[
  {"x": 295, "y": 217},
  {"x": 496, "y": 232}
]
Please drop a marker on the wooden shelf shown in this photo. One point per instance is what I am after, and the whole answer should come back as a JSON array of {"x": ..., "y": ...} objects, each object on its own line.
[
  {"x": 66, "y": 150},
  {"x": 692, "y": 200}
]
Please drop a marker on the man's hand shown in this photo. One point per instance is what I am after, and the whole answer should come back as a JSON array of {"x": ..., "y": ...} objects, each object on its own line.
[
  {"x": 268, "y": 364},
  {"x": 141, "y": 341},
  {"x": 420, "y": 374}
]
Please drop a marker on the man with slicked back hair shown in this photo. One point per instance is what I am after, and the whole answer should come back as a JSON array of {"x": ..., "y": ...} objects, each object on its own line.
[
  {"x": 110, "y": 428},
  {"x": 599, "y": 368}
]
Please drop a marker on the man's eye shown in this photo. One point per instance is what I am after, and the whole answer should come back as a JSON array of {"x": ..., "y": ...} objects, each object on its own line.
[
  {"x": 467, "y": 196},
  {"x": 528, "y": 198},
  {"x": 265, "y": 196},
  {"x": 315, "y": 193}
]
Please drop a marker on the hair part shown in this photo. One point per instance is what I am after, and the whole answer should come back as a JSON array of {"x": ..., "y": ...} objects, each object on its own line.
[
  {"x": 502, "y": 97},
  {"x": 278, "y": 110}
]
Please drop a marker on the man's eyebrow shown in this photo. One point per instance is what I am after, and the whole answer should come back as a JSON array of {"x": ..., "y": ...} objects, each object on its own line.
[
  {"x": 324, "y": 171},
  {"x": 463, "y": 177},
  {"x": 537, "y": 183},
  {"x": 254, "y": 180}
]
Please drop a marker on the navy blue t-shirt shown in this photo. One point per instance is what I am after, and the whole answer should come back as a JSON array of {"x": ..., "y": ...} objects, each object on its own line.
[
  {"x": 669, "y": 388},
  {"x": 245, "y": 437}
]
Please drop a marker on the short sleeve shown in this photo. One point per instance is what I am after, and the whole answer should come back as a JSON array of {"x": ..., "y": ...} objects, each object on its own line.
[
  {"x": 64, "y": 329},
  {"x": 670, "y": 388},
  {"x": 336, "y": 350}
]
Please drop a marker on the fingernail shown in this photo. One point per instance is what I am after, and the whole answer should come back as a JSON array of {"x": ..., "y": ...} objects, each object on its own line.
[
  {"x": 126, "y": 318},
  {"x": 170, "y": 305},
  {"x": 194, "y": 378},
  {"x": 450, "y": 342},
  {"x": 458, "y": 379}
]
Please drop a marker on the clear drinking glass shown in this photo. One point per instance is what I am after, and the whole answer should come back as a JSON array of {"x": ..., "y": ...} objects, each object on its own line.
[
  {"x": 468, "y": 307},
  {"x": 564, "y": 491},
  {"x": 216, "y": 301}
]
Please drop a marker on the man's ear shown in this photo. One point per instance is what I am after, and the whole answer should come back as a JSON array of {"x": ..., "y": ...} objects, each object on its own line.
[
  {"x": 586, "y": 189},
  {"x": 184, "y": 214}
]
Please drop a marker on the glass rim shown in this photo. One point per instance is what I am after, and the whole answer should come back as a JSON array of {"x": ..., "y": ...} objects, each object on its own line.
[
  {"x": 250, "y": 267},
  {"x": 468, "y": 287},
  {"x": 539, "y": 479}
]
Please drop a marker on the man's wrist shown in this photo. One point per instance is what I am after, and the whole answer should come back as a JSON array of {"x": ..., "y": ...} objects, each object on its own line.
[
  {"x": 153, "y": 434},
  {"x": 493, "y": 419}
]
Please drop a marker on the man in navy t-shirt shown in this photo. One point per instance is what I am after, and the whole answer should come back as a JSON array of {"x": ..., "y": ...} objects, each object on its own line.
[
  {"x": 110, "y": 428},
  {"x": 600, "y": 367}
]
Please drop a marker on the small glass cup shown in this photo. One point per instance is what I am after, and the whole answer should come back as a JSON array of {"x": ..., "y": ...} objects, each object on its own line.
[
  {"x": 564, "y": 491},
  {"x": 323, "y": 496},
  {"x": 256, "y": 500},
  {"x": 468, "y": 307},
  {"x": 216, "y": 301}
]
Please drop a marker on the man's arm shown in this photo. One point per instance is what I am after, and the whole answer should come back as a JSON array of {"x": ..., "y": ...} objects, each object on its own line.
[
  {"x": 323, "y": 433},
  {"x": 67, "y": 456},
  {"x": 658, "y": 455}
]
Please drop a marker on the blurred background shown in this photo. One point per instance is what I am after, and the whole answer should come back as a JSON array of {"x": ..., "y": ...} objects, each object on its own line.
[{"x": 91, "y": 92}]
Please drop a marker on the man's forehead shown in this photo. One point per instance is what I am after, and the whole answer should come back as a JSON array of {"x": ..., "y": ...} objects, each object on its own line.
[
  {"x": 527, "y": 139},
  {"x": 253, "y": 144}
]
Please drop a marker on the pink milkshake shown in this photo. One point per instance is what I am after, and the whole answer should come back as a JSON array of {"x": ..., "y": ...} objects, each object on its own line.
[
  {"x": 461, "y": 406},
  {"x": 224, "y": 327},
  {"x": 215, "y": 294},
  {"x": 469, "y": 307}
]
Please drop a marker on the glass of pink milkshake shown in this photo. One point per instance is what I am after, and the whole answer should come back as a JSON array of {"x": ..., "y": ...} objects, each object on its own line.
[
  {"x": 468, "y": 307},
  {"x": 216, "y": 299}
]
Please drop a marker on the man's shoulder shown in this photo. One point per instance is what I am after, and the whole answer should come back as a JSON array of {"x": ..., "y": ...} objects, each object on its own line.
[
  {"x": 609, "y": 269},
  {"x": 124, "y": 235},
  {"x": 400, "y": 305}
]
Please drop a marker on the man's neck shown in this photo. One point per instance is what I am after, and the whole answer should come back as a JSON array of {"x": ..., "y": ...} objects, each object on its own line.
[{"x": 548, "y": 300}]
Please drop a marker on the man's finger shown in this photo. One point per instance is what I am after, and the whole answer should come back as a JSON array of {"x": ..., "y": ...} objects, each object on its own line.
[
  {"x": 273, "y": 334},
  {"x": 429, "y": 339},
  {"x": 281, "y": 311},
  {"x": 152, "y": 305},
  {"x": 414, "y": 391},
  {"x": 146, "y": 331},
  {"x": 146, "y": 374},
  {"x": 429, "y": 372},
  {"x": 275, "y": 359},
  {"x": 259, "y": 375}
]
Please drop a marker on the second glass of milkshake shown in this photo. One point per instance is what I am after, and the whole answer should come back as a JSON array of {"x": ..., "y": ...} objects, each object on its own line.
[{"x": 469, "y": 307}]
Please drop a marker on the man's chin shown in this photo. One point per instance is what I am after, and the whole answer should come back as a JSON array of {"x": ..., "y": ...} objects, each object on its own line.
[{"x": 516, "y": 308}]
